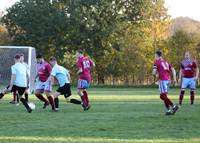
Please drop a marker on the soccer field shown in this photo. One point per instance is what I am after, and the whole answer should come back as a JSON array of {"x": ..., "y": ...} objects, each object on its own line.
[{"x": 117, "y": 115}]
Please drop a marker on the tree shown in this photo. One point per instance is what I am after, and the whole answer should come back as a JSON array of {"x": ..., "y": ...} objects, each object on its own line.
[{"x": 37, "y": 23}]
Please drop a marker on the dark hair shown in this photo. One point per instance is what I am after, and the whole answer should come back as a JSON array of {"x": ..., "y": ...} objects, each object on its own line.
[
  {"x": 17, "y": 56},
  {"x": 159, "y": 53},
  {"x": 80, "y": 51},
  {"x": 52, "y": 59},
  {"x": 21, "y": 55},
  {"x": 39, "y": 56}
]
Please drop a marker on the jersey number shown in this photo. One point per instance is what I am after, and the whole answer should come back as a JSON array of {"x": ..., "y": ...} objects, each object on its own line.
[
  {"x": 86, "y": 64},
  {"x": 165, "y": 66}
]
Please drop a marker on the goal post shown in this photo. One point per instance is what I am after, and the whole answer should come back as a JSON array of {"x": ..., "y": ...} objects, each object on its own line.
[{"x": 7, "y": 54}]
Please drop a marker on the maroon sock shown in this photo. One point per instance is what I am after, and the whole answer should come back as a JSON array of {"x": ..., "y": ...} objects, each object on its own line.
[
  {"x": 163, "y": 97},
  {"x": 39, "y": 96},
  {"x": 84, "y": 100},
  {"x": 86, "y": 97},
  {"x": 192, "y": 97},
  {"x": 51, "y": 101},
  {"x": 169, "y": 101},
  {"x": 181, "y": 96}
]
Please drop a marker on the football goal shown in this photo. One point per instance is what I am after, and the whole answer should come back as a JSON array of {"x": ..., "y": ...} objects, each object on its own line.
[{"x": 7, "y": 54}]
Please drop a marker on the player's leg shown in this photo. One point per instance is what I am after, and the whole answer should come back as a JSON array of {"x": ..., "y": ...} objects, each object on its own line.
[
  {"x": 21, "y": 91},
  {"x": 192, "y": 87},
  {"x": 66, "y": 91},
  {"x": 184, "y": 85},
  {"x": 56, "y": 100},
  {"x": 48, "y": 89},
  {"x": 26, "y": 95},
  {"x": 39, "y": 91},
  {"x": 82, "y": 86},
  {"x": 5, "y": 91},
  {"x": 164, "y": 86}
]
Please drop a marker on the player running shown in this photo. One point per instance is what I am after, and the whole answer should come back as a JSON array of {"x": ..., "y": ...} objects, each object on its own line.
[
  {"x": 188, "y": 74},
  {"x": 84, "y": 65},
  {"x": 18, "y": 82},
  {"x": 163, "y": 69},
  {"x": 42, "y": 82},
  {"x": 63, "y": 77}
]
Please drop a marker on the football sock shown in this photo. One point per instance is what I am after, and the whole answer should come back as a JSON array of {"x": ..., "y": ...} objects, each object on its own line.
[
  {"x": 192, "y": 97},
  {"x": 26, "y": 96},
  {"x": 51, "y": 101},
  {"x": 17, "y": 96},
  {"x": 1, "y": 95},
  {"x": 39, "y": 96},
  {"x": 166, "y": 100},
  {"x": 25, "y": 104},
  {"x": 14, "y": 96},
  {"x": 86, "y": 97},
  {"x": 56, "y": 100},
  {"x": 75, "y": 101},
  {"x": 83, "y": 100},
  {"x": 181, "y": 97}
]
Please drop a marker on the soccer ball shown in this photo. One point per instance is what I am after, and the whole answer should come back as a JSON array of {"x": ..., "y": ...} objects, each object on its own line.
[{"x": 31, "y": 105}]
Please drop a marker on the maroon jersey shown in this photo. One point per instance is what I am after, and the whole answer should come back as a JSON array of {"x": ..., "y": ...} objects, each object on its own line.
[
  {"x": 188, "y": 68},
  {"x": 86, "y": 64},
  {"x": 163, "y": 69},
  {"x": 44, "y": 71}
]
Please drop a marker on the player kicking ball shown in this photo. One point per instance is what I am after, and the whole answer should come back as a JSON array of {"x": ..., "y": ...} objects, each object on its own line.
[
  {"x": 63, "y": 77},
  {"x": 163, "y": 69},
  {"x": 15, "y": 95},
  {"x": 42, "y": 82},
  {"x": 188, "y": 74},
  {"x": 18, "y": 82},
  {"x": 85, "y": 66}
]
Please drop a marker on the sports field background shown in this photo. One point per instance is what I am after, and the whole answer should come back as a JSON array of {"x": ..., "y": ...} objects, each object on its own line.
[{"x": 117, "y": 115}]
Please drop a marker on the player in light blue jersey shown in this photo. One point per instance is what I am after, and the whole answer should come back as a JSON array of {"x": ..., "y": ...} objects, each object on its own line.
[{"x": 63, "y": 77}]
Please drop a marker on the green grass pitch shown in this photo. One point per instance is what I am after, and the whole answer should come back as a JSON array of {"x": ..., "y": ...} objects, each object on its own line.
[{"x": 118, "y": 115}]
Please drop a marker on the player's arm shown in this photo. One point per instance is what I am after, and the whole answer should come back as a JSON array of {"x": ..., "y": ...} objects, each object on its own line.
[
  {"x": 173, "y": 75},
  {"x": 51, "y": 78},
  {"x": 36, "y": 77},
  {"x": 180, "y": 75},
  {"x": 68, "y": 75},
  {"x": 13, "y": 77},
  {"x": 154, "y": 72},
  {"x": 80, "y": 70},
  {"x": 197, "y": 73}
]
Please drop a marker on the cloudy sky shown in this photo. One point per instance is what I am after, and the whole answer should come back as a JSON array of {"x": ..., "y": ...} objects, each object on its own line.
[{"x": 176, "y": 8}]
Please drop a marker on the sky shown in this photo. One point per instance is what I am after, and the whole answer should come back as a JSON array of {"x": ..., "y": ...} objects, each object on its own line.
[{"x": 176, "y": 8}]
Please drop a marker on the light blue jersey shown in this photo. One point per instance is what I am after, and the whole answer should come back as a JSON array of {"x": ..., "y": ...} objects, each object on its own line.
[
  {"x": 61, "y": 74},
  {"x": 20, "y": 71}
]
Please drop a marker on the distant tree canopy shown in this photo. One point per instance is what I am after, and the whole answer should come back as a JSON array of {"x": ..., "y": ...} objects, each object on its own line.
[{"x": 120, "y": 35}]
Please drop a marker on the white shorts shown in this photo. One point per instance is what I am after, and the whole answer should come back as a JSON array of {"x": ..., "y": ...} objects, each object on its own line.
[
  {"x": 43, "y": 86},
  {"x": 164, "y": 86},
  {"x": 188, "y": 83}
]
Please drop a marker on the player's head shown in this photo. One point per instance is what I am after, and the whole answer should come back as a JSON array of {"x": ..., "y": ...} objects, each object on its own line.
[
  {"x": 52, "y": 61},
  {"x": 17, "y": 58},
  {"x": 21, "y": 57},
  {"x": 187, "y": 55},
  {"x": 158, "y": 54},
  {"x": 79, "y": 53},
  {"x": 39, "y": 58}
]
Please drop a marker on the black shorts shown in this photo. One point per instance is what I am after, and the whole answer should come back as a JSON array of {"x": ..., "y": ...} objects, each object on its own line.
[
  {"x": 65, "y": 90},
  {"x": 15, "y": 88}
]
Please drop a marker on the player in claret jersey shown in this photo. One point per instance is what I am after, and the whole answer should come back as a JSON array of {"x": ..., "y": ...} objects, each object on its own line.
[
  {"x": 189, "y": 73},
  {"x": 162, "y": 68},
  {"x": 85, "y": 66},
  {"x": 43, "y": 84}
]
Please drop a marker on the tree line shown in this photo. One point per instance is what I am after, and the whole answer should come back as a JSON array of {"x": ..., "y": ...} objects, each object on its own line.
[{"x": 121, "y": 36}]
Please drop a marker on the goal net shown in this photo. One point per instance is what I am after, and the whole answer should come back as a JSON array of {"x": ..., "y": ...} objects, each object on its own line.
[{"x": 7, "y": 54}]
